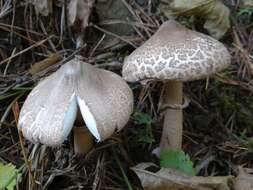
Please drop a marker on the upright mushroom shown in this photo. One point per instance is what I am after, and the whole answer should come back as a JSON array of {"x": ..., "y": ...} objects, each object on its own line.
[
  {"x": 49, "y": 112},
  {"x": 175, "y": 54}
]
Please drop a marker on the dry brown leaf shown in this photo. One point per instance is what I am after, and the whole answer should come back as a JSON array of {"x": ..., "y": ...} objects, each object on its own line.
[
  {"x": 43, "y": 7},
  {"x": 79, "y": 10},
  {"x": 41, "y": 65},
  {"x": 115, "y": 10},
  {"x": 215, "y": 13},
  {"x": 168, "y": 179},
  {"x": 243, "y": 181},
  {"x": 248, "y": 3}
]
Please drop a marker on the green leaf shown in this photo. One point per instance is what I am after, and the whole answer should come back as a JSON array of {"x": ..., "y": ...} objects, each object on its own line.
[
  {"x": 9, "y": 176},
  {"x": 247, "y": 11},
  {"x": 145, "y": 135},
  {"x": 214, "y": 12},
  {"x": 142, "y": 118},
  {"x": 178, "y": 160}
]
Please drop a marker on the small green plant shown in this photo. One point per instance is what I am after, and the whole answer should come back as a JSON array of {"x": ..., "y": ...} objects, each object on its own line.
[
  {"x": 144, "y": 135},
  {"x": 142, "y": 118},
  {"x": 9, "y": 176},
  {"x": 177, "y": 159},
  {"x": 247, "y": 11}
]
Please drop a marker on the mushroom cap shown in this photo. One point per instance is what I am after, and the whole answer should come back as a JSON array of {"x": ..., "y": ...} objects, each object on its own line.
[
  {"x": 49, "y": 112},
  {"x": 176, "y": 53}
]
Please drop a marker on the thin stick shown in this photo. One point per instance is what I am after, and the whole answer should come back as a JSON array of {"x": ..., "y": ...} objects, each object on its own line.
[
  {"x": 25, "y": 50},
  {"x": 8, "y": 109},
  {"x": 131, "y": 23},
  {"x": 96, "y": 46},
  {"x": 129, "y": 186},
  {"x": 22, "y": 29},
  {"x": 15, "y": 110},
  {"x": 3, "y": 27},
  {"x": 112, "y": 34},
  {"x": 45, "y": 32},
  {"x": 7, "y": 65}
]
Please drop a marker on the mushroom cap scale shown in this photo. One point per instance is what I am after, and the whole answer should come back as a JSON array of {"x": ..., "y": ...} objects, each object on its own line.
[
  {"x": 104, "y": 99},
  {"x": 176, "y": 53}
]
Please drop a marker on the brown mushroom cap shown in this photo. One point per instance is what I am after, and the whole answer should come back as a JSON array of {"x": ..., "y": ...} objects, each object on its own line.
[
  {"x": 104, "y": 98},
  {"x": 176, "y": 53}
]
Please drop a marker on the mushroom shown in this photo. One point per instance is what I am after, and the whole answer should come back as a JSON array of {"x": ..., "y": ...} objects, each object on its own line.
[
  {"x": 175, "y": 54},
  {"x": 104, "y": 99}
]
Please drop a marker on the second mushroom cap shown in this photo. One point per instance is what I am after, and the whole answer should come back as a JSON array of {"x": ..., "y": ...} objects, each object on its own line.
[{"x": 176, "y": 53}]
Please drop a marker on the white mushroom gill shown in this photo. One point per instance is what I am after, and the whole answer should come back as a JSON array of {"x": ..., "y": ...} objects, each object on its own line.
[
  {"x": 88, "y": 118},
  {"x": 70, "y": 117}
]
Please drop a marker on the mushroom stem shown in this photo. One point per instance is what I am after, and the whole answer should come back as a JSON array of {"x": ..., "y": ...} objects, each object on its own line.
[
  {"x": 83, "y": 140},
  {"x": 173, "y": 119}
]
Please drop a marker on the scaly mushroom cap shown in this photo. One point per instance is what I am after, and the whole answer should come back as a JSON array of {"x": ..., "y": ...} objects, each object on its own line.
[
  {"x": 49, "y": 112},
  {"x": 176, "y": 53}
]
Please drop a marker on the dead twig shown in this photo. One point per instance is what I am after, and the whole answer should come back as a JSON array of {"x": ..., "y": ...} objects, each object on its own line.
[
  {"x": 15, "y": 110},
  {"x": 25, "y": 50}
]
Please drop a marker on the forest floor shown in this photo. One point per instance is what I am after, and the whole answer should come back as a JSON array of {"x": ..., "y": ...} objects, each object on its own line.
[{"x": 218, "y": 127}]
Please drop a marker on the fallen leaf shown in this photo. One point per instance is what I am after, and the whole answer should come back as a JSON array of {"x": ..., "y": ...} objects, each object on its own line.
[
  {"x": 248, "y": 3},
  {"x": 79, "y": 10},
  {"x": 169, "y": 179},
  {"x": 110, "y": 12},
  {"x": 41, "y": 65},
  {"x": 43, "y": 7},
  {"x": 9, "y": 176},
  {"x": 244, "y": 180},
  {"x": 215, "y": 13}
]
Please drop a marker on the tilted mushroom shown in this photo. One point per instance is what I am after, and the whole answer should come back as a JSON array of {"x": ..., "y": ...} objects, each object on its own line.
[
  {"x": 175, "y": 54},
  {"x": 49, "y": 112}
]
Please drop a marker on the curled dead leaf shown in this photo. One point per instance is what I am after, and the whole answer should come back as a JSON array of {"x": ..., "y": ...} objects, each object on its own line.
[
  {"x": 244, "y": 180},
  {"x": 215, "y": 13},
  {"x": 43, "y": 7},
  {"x": 41, "y": 65},
  {"x": 169, "y": 179},
  {"x": 248, "y": 3},
  {"x": 110, "y": 12},
  {"x": 79, "y": 10}
]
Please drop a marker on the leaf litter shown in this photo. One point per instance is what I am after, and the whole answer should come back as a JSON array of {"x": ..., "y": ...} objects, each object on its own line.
[
  {"x": 225, "y": 106},
  {"x": 169, "y": 179},
  {"x": 214, "y": 12}
]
